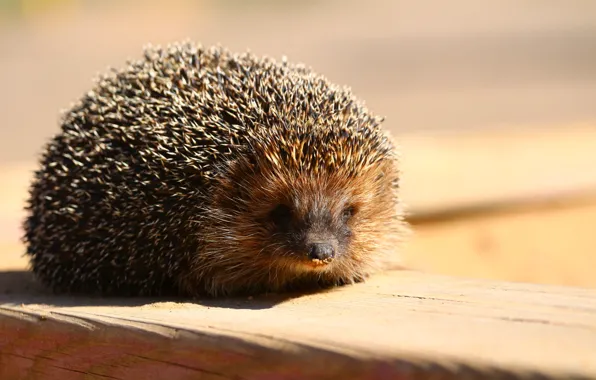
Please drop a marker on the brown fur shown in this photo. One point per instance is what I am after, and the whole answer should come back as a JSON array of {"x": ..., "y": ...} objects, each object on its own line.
[{"x": 239, "y": 255}]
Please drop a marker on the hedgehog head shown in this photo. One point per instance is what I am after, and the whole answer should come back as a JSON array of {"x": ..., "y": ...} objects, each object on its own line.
[{"x": 302, "y": 202}]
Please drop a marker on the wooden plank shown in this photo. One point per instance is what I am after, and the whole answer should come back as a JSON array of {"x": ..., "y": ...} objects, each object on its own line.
[
  {"x": 456, "y": 171},
  {"x": 403, "y": 324},
  {"x": 550, "y": 243}
]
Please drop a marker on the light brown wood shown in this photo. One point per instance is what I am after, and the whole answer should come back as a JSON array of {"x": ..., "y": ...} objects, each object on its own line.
[
  {"x": 451, "y": 171},
  {"x": 395, "y": 323},
  {"x": 553, "y": 243}
]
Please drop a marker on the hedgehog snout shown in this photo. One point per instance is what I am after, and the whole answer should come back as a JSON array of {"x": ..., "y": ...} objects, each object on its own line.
[
  {"x": 324, "y": 252},
  {"x": 320, "y": 248}
]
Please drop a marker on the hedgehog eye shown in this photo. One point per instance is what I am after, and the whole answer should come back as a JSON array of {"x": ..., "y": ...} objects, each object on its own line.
[
  {"x": 348, "y": 212},
  {"x": 281, "y": 215}
]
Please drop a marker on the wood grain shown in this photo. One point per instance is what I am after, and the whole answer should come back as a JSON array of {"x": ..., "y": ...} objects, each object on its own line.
[{"x": 397, "y": 324}]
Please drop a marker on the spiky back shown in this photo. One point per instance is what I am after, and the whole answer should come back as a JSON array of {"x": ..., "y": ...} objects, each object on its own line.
[{"x": 119, "y": 198}]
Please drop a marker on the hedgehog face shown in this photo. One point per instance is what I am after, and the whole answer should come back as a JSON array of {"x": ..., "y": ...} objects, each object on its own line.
[
  {"x": 310, "y": 227},
  {"x": 280, "y": 217},
  {"x": 326, "y": 223}
]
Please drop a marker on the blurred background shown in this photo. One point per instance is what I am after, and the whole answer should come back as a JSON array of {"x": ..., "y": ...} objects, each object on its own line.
[{"x": 494, "y": 103}]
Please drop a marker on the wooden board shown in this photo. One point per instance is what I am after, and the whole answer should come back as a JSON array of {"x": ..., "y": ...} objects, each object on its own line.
[
  {"x": 403, "y": 324},
  {"x": 457, "y": 171},
  {"x": 550, "y": 243}
]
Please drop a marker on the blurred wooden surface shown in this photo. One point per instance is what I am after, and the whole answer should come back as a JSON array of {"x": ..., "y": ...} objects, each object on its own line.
[
  {"x": 403, "y": 325},
  {"x": 550, "y": 243},
  {"x": 451, "y": 171}
]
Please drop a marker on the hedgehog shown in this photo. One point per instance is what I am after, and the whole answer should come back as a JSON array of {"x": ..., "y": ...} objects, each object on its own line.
[{"x": 195, "y": 171}]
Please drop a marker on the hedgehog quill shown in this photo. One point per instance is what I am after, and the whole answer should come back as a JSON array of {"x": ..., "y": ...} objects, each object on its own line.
[{"x": 196, "y": 171}]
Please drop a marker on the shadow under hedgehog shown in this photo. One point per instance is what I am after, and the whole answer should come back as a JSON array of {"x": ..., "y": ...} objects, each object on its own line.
[{"x": 195, "y": 171}]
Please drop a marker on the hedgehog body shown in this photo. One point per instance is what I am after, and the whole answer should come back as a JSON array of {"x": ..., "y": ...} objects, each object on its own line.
[{"x": 195, "y": 171}]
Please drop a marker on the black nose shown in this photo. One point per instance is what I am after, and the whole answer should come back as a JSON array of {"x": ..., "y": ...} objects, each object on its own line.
[{"x": 321, "y": 251}]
